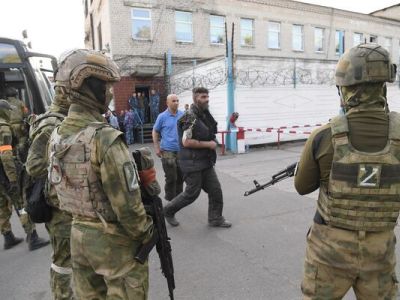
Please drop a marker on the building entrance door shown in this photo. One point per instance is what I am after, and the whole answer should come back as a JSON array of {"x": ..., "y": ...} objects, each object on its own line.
[{"x": 144, "y": 91}]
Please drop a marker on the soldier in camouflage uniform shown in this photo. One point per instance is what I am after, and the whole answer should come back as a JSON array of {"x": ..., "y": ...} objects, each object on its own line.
[
  {"x": 9, "y": 188},
  {"x": 59, "y": 227},
  {"x": 18, "y": 124},
  {"x": 96, "y": 180},
  {"x": 354, "y": 161}
]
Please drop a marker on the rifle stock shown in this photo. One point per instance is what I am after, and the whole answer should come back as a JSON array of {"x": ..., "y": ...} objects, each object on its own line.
[{"x": 281, "y": 175}]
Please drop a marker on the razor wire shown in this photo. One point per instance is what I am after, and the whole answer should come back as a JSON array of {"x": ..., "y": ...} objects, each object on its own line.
[{"x": 254, "y": 77}]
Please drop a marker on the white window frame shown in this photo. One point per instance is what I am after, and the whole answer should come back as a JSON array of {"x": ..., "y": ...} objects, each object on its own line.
[
  {"x": 388, "y": 47},
  {"x": 186, "y": 23},
  {"x": 301, "y": 36},
  {"x": 247, "y": 30},
  {"x": 217, "y": 27},
  {"x": 278, "y": 32},
  {"x": 354, "y": 38},
  {"x": 142, "y": 19},
  {"x": 322, "y": 40}
]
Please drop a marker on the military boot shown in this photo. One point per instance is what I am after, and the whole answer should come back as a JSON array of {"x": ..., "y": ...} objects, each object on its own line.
[
  {"x": 35, "y": 242},
  {"x": 10, "y": 240}
]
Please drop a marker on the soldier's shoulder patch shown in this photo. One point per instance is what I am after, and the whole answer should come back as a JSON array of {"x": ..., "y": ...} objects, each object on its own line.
[{"x": 131, "y": 176}]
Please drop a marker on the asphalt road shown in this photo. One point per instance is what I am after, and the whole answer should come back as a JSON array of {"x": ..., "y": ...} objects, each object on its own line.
[{"x": 260, "y": 257}]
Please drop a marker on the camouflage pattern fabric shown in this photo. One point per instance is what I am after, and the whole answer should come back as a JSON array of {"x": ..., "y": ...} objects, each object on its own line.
[
  {"x": 19, "y": 130},
  {"x": 7, "y": 198},
  {"x": 102, "y": 253},
  {"x": 59, "y": 227},
  {"x": 338, "y": 259}
]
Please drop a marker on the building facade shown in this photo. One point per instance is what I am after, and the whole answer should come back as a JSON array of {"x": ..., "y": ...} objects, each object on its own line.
[{"x": 138, "y": 34}]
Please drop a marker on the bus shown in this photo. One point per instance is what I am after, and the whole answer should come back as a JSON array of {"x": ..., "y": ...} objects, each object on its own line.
[{"x": 28, "y": 72}]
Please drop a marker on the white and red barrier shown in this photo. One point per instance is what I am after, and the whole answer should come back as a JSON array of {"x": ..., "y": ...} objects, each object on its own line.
[{"x": 279, "y": 130}]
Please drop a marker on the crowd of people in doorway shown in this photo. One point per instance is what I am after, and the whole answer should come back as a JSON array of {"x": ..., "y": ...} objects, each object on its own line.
[{"x": 141, "y": 110}]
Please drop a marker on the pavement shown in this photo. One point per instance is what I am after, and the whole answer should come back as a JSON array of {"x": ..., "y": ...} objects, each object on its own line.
[{"x": 260, "y": 257}]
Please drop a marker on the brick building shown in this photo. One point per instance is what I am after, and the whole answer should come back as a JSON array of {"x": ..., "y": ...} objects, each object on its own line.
[{"x": 139, "y": 33}]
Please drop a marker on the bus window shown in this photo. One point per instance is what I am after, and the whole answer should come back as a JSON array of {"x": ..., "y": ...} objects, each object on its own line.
[{"x": 9, "y": 54}]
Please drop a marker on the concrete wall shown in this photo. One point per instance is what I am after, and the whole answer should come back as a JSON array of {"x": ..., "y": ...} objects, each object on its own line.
[{"x": 266, "y": 96}]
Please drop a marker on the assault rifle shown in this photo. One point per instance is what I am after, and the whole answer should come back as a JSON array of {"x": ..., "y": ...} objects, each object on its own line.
[
  {"x": 160, "y": 239},
  {"x": 281, "y": 175}
]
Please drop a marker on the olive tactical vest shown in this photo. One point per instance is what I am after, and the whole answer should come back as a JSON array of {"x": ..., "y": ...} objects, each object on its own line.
[
  {"x": 71, "y": 172},
  {"x": 363, "y": 192}
]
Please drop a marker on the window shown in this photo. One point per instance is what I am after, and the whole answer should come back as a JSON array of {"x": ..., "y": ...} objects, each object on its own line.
[
  {"x": 99, "y": 38},
  {"x": 388, "y": 44},
  {"x": 9, "y": 54},
  {"x": 357, "y": 39},
  {"x": 217, "y": 29},
  {"x": 319, "y": 39},
  {"x": 373, "y": 39},
  {"x": 141, "y": 24},
  {"x": 274, "y": 32},
  {"x": 297, "y": 38},
  {"x": 183, "y": 26},
  {"x": 339, "y": 42},
  {"x": 246, "y": 32}
]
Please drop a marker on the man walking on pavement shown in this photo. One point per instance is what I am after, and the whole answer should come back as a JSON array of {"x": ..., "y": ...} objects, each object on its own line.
[
  {"x": 197, "y": 157},
  {"x": 166, "y": 128}
]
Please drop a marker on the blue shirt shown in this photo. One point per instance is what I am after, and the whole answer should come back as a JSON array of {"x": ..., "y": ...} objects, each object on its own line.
[{"x": 166, "y": 126}]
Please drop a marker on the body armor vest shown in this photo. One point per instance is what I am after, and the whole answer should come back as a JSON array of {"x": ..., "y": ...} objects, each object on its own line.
[
  {"x": 363, "y": 192},
  {"x": 72, "y": 173},
  {"x": 192, "y": 159}
]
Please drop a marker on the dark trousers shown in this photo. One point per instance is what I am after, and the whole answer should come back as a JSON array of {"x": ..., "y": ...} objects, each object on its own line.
[
  {"x": 206, "y": 180},
  {"x": 173, "y": 175}
]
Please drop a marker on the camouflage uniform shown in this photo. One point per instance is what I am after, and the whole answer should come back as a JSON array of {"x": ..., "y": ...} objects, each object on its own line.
[
  {"x": 7, "y": 198},
  {"x": 98, "y": 186},
  {"x": 59, "y": 227},
  {"x": 354, "y": 162}
]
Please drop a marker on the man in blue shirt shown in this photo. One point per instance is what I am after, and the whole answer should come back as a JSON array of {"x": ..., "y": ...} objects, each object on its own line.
[{"x": 166, "y": 129}]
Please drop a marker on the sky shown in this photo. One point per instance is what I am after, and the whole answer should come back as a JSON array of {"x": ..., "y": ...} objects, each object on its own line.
[{"x": 57, "y": 25}]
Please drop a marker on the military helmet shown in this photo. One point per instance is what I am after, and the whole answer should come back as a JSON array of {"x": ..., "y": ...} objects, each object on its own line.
[
  {"x": 365, "y": 63},
  {"x": 78, "y": 64},
  {"x": 10, "y": 91}
]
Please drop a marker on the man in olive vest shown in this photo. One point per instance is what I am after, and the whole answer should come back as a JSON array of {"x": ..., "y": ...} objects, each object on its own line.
[
  {"x": 355, "y": 162},
  {"x": 59, "y": 227},
  {"x": 197, "y": 157},
  {"x": 97, "y": 182},
  {"x": 10, "y": 194}
]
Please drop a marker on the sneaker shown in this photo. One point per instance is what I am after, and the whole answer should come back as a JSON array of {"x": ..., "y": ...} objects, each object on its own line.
[{"x": 222, "y": 224}]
